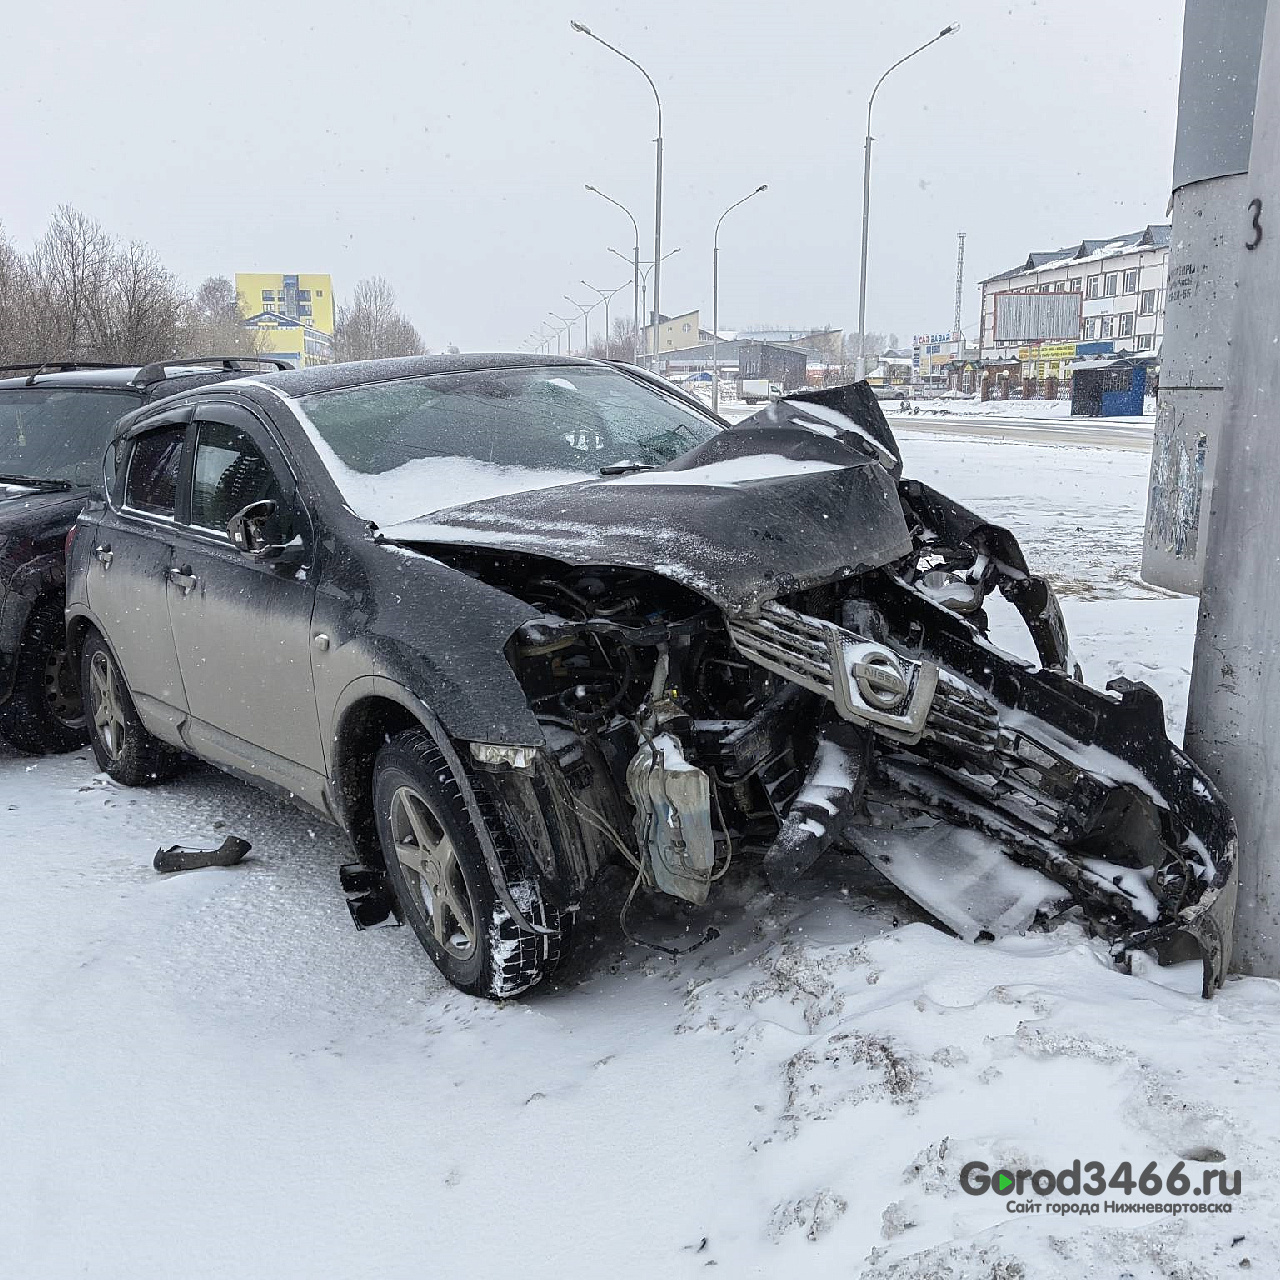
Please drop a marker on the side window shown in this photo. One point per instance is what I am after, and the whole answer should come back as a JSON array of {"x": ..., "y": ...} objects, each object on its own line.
[
  {"x": 229, "y": 473},
  {"x": 152, "y": 482}
]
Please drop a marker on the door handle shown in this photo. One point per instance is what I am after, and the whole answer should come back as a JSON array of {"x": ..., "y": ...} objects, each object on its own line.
[
  {"x": 183, "y": 578},
  {"x": 103, "y": 554}
]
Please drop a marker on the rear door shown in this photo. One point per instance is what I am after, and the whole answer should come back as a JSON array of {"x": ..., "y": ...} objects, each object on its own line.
[
  {"x": 242, "y": 625},
  {"x": 129, "y": 563}
]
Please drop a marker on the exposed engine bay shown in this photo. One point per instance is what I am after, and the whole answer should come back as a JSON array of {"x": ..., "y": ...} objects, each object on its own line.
[{"x": 866, "y": 711}]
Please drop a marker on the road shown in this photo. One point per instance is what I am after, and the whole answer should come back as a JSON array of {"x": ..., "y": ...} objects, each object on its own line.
[{"x": 1105, "y": 433}]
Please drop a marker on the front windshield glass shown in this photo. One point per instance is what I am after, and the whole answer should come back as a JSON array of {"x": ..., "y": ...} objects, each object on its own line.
[
  {"x": 51, "y": 433},
  {"x": 402, "y": 449}
]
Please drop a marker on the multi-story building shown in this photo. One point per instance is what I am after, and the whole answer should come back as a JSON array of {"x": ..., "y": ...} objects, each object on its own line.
[
  {"x": 1115, "y": 296},
  {"x": 293, "y": 315}
]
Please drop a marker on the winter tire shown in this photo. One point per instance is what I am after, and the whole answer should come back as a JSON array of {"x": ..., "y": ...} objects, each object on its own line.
[
  {"x": 123, "y": 747},
  {"x": 437, "y": 869},
  {"x": 44, "y": 713}
]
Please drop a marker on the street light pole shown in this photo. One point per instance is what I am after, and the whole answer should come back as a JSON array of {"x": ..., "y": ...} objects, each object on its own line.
[
  {"x": 606, "y": 295},
  {"x": 586, "y": 311},
  {"x": 866, "y": 199},
  {"x": 657, "y": 186},
  {"x": 644, "y": 279},
  {"x": 635, "y": 269},
  {"x": 567, "y": 331},
  {"x": 715, "y": 297}
]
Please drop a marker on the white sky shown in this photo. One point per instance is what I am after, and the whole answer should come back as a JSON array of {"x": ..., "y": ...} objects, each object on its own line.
[{"x": 445, "y": 145}]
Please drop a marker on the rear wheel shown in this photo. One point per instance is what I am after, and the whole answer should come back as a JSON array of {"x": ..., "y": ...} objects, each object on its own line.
[
  {"x": 44, "y": 713},
  {"x": 437, "y": 869},
  {"x": 124, "y": 748}
]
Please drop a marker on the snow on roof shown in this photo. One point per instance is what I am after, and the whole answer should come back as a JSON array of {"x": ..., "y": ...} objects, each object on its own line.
[{"x": 1151, "y": 236}]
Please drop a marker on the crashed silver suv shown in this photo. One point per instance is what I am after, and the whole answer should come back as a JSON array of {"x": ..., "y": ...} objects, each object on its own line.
[{"x": 514, "y": 621}]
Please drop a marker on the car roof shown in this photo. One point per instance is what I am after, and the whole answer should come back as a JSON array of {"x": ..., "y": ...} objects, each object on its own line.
[{"x": 329, "y": 377}]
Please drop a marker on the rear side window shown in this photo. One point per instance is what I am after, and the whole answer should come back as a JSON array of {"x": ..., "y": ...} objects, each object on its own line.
[{"x": 152, "y": 482}]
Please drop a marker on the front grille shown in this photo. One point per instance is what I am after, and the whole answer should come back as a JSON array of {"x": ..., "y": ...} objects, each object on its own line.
[{"x": 788, "y": 643}]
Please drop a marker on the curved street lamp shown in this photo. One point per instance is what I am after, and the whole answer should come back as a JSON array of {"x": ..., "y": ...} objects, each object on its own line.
[
  {"x": 715, "y": 296},
  {"x": 866, "y": 198},
  {"x": 644, "y": 292},
  {"x": 657, "y": 186},
  {"x": 606, "y": 296},
  {"x": 635, "y": 268},
  {"x": 586, "y": 311}
]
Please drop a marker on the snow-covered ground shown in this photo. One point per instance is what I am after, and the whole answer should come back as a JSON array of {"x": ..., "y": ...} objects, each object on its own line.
[{"x": 214, "y": 1075}]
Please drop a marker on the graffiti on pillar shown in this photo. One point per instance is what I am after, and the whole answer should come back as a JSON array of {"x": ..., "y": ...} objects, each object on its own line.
[{"x": 1177, "y": 478}]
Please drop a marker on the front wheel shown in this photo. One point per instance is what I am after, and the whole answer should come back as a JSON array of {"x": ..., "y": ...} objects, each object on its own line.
[
  {"x": 124, "y": 749},
  {"x": 442, "y": 882}
]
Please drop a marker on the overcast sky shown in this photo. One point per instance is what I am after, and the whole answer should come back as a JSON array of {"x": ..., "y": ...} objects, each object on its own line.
[{"x": 445, "y": 145}]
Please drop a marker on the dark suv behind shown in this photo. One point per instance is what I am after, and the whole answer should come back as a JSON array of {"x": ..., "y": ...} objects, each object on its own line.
[{"x": 55, "y": 421}]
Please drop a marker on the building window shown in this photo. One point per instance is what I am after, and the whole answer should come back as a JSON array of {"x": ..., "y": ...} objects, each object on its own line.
[
  {"x": 1106, "y": 327},
  {"x": 1094, "y": 288},
  {"x": 1089, "y": 330},
  {"x": 1147, "y": 303},
  {"x": 1109, "y": 283},
  {"x": 268, "y": 295},
  {"x": 1144, "y": 341},
  {"x": 1125, "y": 325},
  {"x": 1059, "y": 286},
  {"x": 1131, "y": 280}
]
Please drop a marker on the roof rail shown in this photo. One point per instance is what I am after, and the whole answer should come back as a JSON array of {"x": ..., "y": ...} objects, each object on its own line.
[
  {"x": 157, "y": 370},
  {"x": 58, "y": 366}
]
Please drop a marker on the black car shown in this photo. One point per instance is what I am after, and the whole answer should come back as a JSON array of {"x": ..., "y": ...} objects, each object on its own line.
[
  {"x": 55, "y": 421},
  {"x": 513, "y": 621}
]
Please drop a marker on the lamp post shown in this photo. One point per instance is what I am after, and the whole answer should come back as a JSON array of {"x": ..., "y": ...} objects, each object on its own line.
[
  {"x": 715, "y": 297},
  {"x": 606, "y": 295},
  {"x": 567, "y": 331},
  {"x": 866, "y": 198},
  {"x": 586, "y": 311},
  {"x": 635, "y": 272},
  {"x": 657, "y": 185},
  {"x": 644, "y": 289}
]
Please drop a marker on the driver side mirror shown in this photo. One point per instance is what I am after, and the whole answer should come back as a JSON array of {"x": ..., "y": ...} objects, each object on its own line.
[{"x": 256, "y": 530}]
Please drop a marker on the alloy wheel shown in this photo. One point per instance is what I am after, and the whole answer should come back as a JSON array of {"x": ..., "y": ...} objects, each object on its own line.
[
  {"x": 432, "y": 872},
  {"x": 104, "y": 696},
  {"x": 60, "y": 691}
]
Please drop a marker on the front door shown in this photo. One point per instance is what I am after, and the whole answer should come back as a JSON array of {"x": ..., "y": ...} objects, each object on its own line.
[
  {"x": 242, "y": 625},
  {"x": 128, "y": 575}
]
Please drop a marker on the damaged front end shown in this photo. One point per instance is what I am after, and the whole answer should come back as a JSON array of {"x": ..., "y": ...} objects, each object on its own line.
[{"x": 697, "y": 709}]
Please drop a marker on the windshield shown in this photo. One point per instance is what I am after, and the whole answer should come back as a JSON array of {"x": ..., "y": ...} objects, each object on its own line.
[
  {"x": 51, "y": 433},
  {"x": 401, "y": 449}
]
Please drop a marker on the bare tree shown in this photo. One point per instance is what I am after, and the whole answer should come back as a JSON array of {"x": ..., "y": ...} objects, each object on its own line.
[
  {"x": 212, "y": 322},
  {"x": 82, "y": 295},
  {"x": 372, "y": 328}
]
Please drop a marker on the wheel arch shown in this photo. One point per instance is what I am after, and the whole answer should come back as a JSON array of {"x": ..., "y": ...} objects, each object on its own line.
[{"x": 371, "y": 710}]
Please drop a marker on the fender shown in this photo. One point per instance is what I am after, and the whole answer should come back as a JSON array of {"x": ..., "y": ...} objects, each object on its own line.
[{"x": 380, "y": 686}]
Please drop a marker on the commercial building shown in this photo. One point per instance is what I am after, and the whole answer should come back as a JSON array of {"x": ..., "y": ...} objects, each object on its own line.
[
  {"x": 292, "y": 315},
  {"x": 1099, "y": 291}
]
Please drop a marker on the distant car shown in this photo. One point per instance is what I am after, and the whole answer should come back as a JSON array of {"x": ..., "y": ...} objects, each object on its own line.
[
  {"x": 518, "y": 624},
  {"x": 55, "y": 421}
]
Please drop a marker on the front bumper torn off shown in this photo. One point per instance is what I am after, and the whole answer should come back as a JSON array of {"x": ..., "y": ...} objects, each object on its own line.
[{"x": 1081, "y": 785}]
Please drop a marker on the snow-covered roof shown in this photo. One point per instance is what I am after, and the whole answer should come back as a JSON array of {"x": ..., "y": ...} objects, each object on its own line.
[{"x": 1152, "y": 236}]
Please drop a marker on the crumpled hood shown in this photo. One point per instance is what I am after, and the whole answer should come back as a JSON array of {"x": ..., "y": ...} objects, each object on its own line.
[{"x": 756, "y": 512}]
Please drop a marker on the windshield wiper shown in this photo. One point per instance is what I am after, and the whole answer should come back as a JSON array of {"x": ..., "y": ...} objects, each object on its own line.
[
  {"x": 36, "y": 482},
  {"x": 621, "y": 468}
]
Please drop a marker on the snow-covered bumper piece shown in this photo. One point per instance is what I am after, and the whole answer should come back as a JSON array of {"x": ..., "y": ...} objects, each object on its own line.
[{"x": 1080, "y": 785}]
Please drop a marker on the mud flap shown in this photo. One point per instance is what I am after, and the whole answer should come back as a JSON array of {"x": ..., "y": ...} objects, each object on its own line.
[{"x": 830, "y": 796}]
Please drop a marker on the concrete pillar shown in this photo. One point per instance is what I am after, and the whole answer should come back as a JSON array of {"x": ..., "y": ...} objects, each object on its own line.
[
  {"x": 1233, "y": 722},
  {"x": 1220, "y": 49}
]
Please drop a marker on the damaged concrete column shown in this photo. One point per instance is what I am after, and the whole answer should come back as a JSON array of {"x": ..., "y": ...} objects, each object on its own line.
[
  {"x": 1220, "y": 48},
  {"x": 1233, "y": 723}
]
